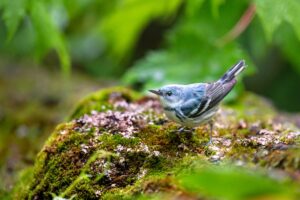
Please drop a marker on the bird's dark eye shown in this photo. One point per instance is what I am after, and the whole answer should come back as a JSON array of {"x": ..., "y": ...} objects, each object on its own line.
[{"x": 169, "y": 93}]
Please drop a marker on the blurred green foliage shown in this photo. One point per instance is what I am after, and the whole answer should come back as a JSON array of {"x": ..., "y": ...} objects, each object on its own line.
[
  {"x": 274, "y": 12},
  {"x": 46, "y": 32},
  {"x": 229, "y": 182},
  {"x": 149, "y": 42},
  {"x": 201, "y": 180},
  {"x": 124, "y": 24}
]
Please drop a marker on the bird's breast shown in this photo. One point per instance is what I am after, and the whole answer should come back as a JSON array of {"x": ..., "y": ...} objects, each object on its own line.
[
  {"x": 172, "y": 116},
  {"x": 191, "y": 122}
]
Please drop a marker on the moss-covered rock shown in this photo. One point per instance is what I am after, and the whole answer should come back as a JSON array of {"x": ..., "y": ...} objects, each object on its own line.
[{"x": 118, "y": 144}]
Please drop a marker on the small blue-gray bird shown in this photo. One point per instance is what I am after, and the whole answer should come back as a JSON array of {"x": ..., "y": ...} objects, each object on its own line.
[{"x": 195, "y": 104}]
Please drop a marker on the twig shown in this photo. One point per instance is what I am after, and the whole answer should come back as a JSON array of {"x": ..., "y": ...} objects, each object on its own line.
[{"x": 239, "y": 27}]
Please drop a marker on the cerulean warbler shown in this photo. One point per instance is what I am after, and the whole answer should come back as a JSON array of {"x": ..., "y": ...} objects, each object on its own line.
[{"x": 195, "y": 104}]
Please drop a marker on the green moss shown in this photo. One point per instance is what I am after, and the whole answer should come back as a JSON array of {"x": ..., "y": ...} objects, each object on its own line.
[
  {"x": 80, "y": 189},
  {"x": 156, "y": 182},
  {"x": 110, "y": 142},
  {"x": 167, "y": 140},
  {"x": 59, "y": 163},
  {"x": 25, "y": 177}
]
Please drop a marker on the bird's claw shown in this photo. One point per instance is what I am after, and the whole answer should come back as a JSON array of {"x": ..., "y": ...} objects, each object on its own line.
[
  {"x": 210, "y": 142},
  {"x": 184, "y": 130}
]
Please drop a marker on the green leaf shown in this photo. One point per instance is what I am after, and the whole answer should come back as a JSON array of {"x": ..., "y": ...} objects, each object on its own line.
[
  {"x": 215, "y": 4},
  {"x": 191, "y": 6},
  {"x": 274, "y": 12},
  {"x": 48, "y": 36},
  {"x": 13, "y": 12},
  {"x": 234, "y": 183},
  {"x": 287, "y": 39},
  {"x": 123, "y": 26}
]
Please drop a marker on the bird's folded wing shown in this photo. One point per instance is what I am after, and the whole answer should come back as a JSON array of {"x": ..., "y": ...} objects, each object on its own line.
[
  {"x": 215, "y": 92},
  {"x": 199, "y": 107},
  {"x": 191, "y": 106}
]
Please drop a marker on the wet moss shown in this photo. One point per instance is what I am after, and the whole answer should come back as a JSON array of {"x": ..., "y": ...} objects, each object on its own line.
[
  {"x": 59, "y": 163},
  {"x": 119, "y": 145},
  {"x": 25, "y": 177},
  {"x": 111, "y": 142}
]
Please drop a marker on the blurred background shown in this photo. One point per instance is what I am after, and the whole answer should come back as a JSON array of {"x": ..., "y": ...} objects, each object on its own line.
[{"x": 52, "y": 53}]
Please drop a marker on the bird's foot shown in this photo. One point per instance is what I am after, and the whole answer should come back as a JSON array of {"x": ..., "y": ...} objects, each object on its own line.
[
  {"x": 210, "y": 142},
  {"x": 184, "y": 129},
  {"x": 211, "y": 125}
]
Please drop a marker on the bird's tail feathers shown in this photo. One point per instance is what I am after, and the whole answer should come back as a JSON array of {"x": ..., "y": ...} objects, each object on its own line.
[{"x": 233, "y": 72}]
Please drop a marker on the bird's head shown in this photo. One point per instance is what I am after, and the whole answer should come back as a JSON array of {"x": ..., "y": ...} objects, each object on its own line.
[{"x": 169, "y": 95}]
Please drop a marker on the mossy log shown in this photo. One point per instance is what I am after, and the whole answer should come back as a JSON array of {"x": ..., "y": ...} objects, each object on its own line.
[{"x": 118, "y": 144}]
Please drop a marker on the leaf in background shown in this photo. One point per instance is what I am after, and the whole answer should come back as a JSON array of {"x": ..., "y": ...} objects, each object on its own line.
[
  {"x": 13, "y": 12},
  {"x": 257, "y": 45},
  {"x": 191, "y": 6},
  {"x": 215, "y": 4},
  {"x": 290, "y": 45},
  {"x": 48, "y": 36},
  {"x": 123, "y": 26},
  {"x": 191, "y": 55},
  {"x": 234, "y": 184},
  {"x": 273, "y": 12}
]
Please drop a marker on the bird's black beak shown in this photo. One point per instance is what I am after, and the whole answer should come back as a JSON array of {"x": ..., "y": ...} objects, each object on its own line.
[{"x": 157, "y": 92}]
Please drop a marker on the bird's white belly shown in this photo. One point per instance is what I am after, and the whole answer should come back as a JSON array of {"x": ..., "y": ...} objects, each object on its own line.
[
  {"x": 205, "y": 117},
  {"x": 193, "y": 122},
  {"x": 171, "y": 115}
]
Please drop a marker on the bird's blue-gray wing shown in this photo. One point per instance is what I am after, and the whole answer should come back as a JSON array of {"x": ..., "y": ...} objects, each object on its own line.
[
  {"x": 189, "y": 106},
  {"x": 214, "y": 93},
  {"x": 195, "y": 100},
  {"x": 217, "y": 91}
]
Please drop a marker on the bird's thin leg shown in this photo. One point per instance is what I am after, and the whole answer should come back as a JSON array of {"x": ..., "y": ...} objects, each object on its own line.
[
  {"x": 185, "y": 129},
  {"x": 211, "y": 127},
  {"x": 181, "y": 129}
]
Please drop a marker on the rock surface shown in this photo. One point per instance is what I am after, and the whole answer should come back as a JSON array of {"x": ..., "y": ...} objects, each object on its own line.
[{"x": 119, "y": 145}]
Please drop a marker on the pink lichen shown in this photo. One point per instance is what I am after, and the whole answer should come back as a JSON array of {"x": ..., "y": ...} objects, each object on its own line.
[{"x": 126, "y": 118}]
